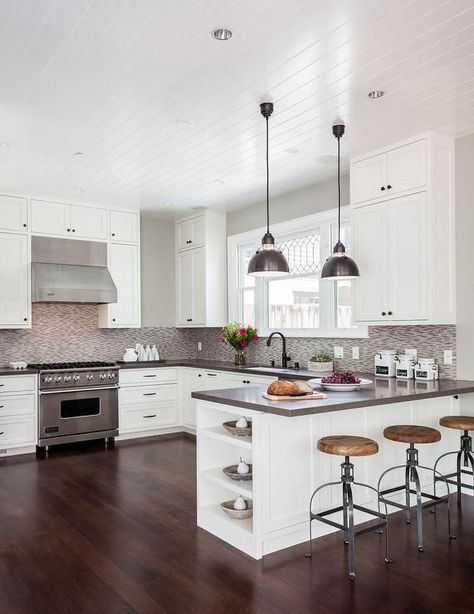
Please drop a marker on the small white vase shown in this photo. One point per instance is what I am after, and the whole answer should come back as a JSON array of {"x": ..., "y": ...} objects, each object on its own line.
[{"x": 131, "y": 355}]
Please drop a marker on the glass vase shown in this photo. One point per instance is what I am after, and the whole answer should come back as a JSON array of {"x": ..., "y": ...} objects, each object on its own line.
[{"x": 239, "y": 358}]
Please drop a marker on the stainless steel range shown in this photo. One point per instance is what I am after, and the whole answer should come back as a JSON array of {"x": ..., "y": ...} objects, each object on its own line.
[{"x": 77, "y": 401}]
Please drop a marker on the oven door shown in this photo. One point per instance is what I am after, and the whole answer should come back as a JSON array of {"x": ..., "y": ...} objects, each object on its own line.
[{"x": 81, "y": 411}]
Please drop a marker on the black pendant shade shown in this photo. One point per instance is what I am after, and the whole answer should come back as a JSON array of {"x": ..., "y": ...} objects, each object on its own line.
[
  {"x": 339, "y": 266},
  {"x": 268, "y": 261}
]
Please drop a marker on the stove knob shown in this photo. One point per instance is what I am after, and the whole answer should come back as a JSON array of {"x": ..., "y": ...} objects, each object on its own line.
[
  {"x": 111, "y": 375},
  {"x": 58, "y": 378},
  {"x": 76, "y": 378},
  {"x": 48, "y": 379},
  {"x": 90, "y": 376},
  {"x": 67, "y": 378},
  {"x": 103, "y": 376}
]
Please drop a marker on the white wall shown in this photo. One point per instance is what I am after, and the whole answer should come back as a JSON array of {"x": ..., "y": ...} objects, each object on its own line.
[
  {"x": 157, "y": 271},
  {"x": 464, "y": 256},
  {"x": 299, "y": 203}
]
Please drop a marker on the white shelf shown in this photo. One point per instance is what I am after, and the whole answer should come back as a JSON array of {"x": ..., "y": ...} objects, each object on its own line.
[
  {"x": 217, "y": 476},
  {"x": 219, "y": 433},
  {"x": 218, "y": 516}
]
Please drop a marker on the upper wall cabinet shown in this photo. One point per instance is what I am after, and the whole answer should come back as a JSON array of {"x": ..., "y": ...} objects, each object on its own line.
[
  {"x": 13, "y": 214},
  {"x": 124, "y": 226},
  {"x": 201, "y": 277},
  {"x": 404, "y": 244},
  {"x": 389, "y": 173},
  {"x": 62, "y": 220},
  {"x": 15, "y": 305}
]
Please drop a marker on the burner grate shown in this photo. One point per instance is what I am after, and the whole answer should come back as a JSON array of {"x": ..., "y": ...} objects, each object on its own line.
[{"x": 49, "y": 366}]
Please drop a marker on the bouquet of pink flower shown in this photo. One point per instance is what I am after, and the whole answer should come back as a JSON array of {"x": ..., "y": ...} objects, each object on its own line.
[{"x": 238, "y": 336}]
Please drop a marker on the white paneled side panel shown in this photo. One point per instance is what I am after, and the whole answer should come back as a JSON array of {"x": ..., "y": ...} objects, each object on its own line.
[{"x": 15, "y": 303}]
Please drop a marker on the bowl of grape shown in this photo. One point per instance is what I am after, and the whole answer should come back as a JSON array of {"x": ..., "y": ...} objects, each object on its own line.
[{"x": 340, "y": 381}]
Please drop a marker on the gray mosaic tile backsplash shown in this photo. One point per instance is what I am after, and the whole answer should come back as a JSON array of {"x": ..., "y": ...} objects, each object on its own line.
[{"x": 62, "y": 332}]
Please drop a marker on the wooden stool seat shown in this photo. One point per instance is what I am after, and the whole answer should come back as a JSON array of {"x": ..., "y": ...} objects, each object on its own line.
[
  {"x": 348, "y": 445},
  {"x": 460, "y": 423},
  {"x": 411, "y": 433}
]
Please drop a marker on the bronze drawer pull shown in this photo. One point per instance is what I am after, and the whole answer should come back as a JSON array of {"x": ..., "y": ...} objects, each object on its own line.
[
  {"x": 152, "y": 375},
  {"x": 150, "y": 416},
  {"x": 149, "y": 394}
]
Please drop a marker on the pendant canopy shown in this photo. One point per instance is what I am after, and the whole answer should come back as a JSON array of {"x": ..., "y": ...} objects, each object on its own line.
[
  {"x": 268, "y": 261},
  {"x": 339, "y": 266}
]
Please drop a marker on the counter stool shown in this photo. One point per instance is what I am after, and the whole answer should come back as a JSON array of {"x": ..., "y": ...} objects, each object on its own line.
[
  {"x": 347, "y": 446},
  {"x": 413, "y": 434},
  {"x": 465, "y": 424}
]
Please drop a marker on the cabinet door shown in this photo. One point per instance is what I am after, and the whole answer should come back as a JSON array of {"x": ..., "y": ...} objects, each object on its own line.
[
  {"x": 124, "y": 226},
  {"x": 89, "y": 222},
  {"x": 13, "y": 213},
  {"x": 14, "y": 281},
  {"x": 407, "y": 167},
  {"x": 195, "y": 380},
  {"x": 199, "y": 286},
  {"x": 183, "y": 234},
  {"x": 190, "y": 233},
  {"x": 50, "y": 218},
  {"x": 369, "y": 178},
  {"x": 370, "y": 253},
  {"x": 184, "y": 287},
  {"x": 125, "y": 271},
  {"x": 407, "y": 267}
]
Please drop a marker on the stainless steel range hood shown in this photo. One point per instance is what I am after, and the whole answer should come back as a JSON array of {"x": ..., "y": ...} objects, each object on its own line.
[{"x": 68, "y": 271}]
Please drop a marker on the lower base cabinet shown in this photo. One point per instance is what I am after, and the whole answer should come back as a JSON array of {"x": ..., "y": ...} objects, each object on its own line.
[{"x": 17, "y": 414}]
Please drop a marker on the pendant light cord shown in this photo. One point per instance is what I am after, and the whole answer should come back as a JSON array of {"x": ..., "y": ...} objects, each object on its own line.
[
  {"x": 268, "y": 182},
  {"x": 338, "y": 189}
]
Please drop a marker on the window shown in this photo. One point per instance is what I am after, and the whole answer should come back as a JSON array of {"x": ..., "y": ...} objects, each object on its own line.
[{"x": 300, "y": 304}]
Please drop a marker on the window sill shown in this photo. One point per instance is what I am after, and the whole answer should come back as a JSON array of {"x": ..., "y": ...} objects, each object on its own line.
[{"x": 361, "y": 332}]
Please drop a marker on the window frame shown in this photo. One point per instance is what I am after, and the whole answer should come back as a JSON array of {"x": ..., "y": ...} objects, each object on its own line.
[{"x": 328, "y": 290}]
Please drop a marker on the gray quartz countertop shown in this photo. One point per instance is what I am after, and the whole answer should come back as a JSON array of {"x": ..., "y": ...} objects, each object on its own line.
[
  {"x": 9, "y": 371},
  {"x": 380, "y": 392},
  {"x": 221, "y": 365}
]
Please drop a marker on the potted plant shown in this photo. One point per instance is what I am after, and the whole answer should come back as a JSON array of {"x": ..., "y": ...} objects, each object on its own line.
[
  {"x": 239, "y": 337},
  {"x": 321, "y": 362}
]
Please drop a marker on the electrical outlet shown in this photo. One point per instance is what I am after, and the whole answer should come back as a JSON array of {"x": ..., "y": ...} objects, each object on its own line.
[
  {"x": 338, "y": 351},
  {"x": 413, "y": 353},
  {"x": 448, "y": 357},
  {"x": 355, "y": 353},
  {"x": 199, "y": 346}
]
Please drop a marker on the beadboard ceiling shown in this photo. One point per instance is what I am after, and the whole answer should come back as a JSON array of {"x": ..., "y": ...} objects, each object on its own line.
[{"x": 168, "y": 117}]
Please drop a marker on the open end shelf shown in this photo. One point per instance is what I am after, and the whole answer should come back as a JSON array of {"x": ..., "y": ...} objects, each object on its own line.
[
  {"x": 219, "y": 433},
  {"x": 217, "y": 476},
  {"x": 216, "y": 513}
]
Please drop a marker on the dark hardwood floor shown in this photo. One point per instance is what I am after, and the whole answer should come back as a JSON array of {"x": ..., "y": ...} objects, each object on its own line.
[{"x": 94, "y": 530}]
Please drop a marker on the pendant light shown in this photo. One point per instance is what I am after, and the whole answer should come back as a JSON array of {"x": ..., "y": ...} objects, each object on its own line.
[
  {"x": 268, "y": 261},
  {"x": 339, "y": 266}
]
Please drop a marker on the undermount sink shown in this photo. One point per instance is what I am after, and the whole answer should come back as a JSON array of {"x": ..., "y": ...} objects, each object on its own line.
[{"x": 272, "y": 369}]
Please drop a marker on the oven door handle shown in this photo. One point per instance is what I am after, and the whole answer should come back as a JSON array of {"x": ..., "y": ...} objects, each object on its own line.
[{"x": 91, "y": 389}]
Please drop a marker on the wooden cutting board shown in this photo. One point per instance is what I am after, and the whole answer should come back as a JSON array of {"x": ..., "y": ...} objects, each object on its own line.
[{"x": 302, "y": 397}]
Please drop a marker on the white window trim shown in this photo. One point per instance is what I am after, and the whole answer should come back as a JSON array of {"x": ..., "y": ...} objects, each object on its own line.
[{"x": 254, "y": 237}]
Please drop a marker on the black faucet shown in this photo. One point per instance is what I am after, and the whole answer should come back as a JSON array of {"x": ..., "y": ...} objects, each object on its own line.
[{"x": 285, "y": 359}]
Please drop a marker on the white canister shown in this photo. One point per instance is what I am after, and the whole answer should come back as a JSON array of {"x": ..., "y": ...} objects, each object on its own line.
[
  {"x": 131, "y": 355},
  {"x": 404, "y": 366},
  {"x": 384, "y": 363},
  {"x": 426, "y": 369}
]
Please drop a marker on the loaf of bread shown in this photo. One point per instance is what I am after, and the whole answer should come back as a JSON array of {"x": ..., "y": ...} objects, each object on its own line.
[{"x": 287, "y": 387}]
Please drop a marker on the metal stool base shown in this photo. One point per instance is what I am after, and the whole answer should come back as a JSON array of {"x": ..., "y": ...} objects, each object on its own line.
[
  {"x": 347, "y": 509},
  {"x": 464, "y": 453},
  {"x": 411, "y": 476}
]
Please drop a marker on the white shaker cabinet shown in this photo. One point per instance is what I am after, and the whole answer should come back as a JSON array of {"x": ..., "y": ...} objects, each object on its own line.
[
  {"x": 201, "y": 271},
  {"x": 89, "y": 223},
  {"x": 403, "y": 242},
  {"x": 124, "y": 266},
  {"x": 390, "y": 173},
  {"x": 391, "y": 251},
  {"x": 15, "y": 306},
  {"x": 13, "y": 213},
  {"x": 124, "y": 226},
  {"x": 50, "y": 218}
]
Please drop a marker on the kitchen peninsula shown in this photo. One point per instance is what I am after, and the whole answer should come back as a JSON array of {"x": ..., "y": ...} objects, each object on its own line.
[{"x": 286, "y": 467}]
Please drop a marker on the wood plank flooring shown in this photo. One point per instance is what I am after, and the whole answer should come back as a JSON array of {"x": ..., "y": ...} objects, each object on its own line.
[{"x": 91, "y": 530}]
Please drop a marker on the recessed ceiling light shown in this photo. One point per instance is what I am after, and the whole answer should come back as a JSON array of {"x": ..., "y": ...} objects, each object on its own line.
[
  {"x": 222, "y": 34},
  {"x": 80, "y": 190},
  {"x": 219, "y": 181},
  {"x": 184, "y": 122},
  {"x": 79, "y": 153},
  {"x": 376, "y": 94},
  {"x": 292, "y": 150}
]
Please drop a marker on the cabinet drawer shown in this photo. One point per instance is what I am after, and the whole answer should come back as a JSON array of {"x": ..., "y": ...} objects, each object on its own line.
[
  {"x": 152, "y": 417},
  {"x": 147, "y": 376},
  {"x": 144, "y": 395},
  {"x": 17, "y": 383},
  {"x": 20, "y": 405},
  {"x": 19, "y": 432}
]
